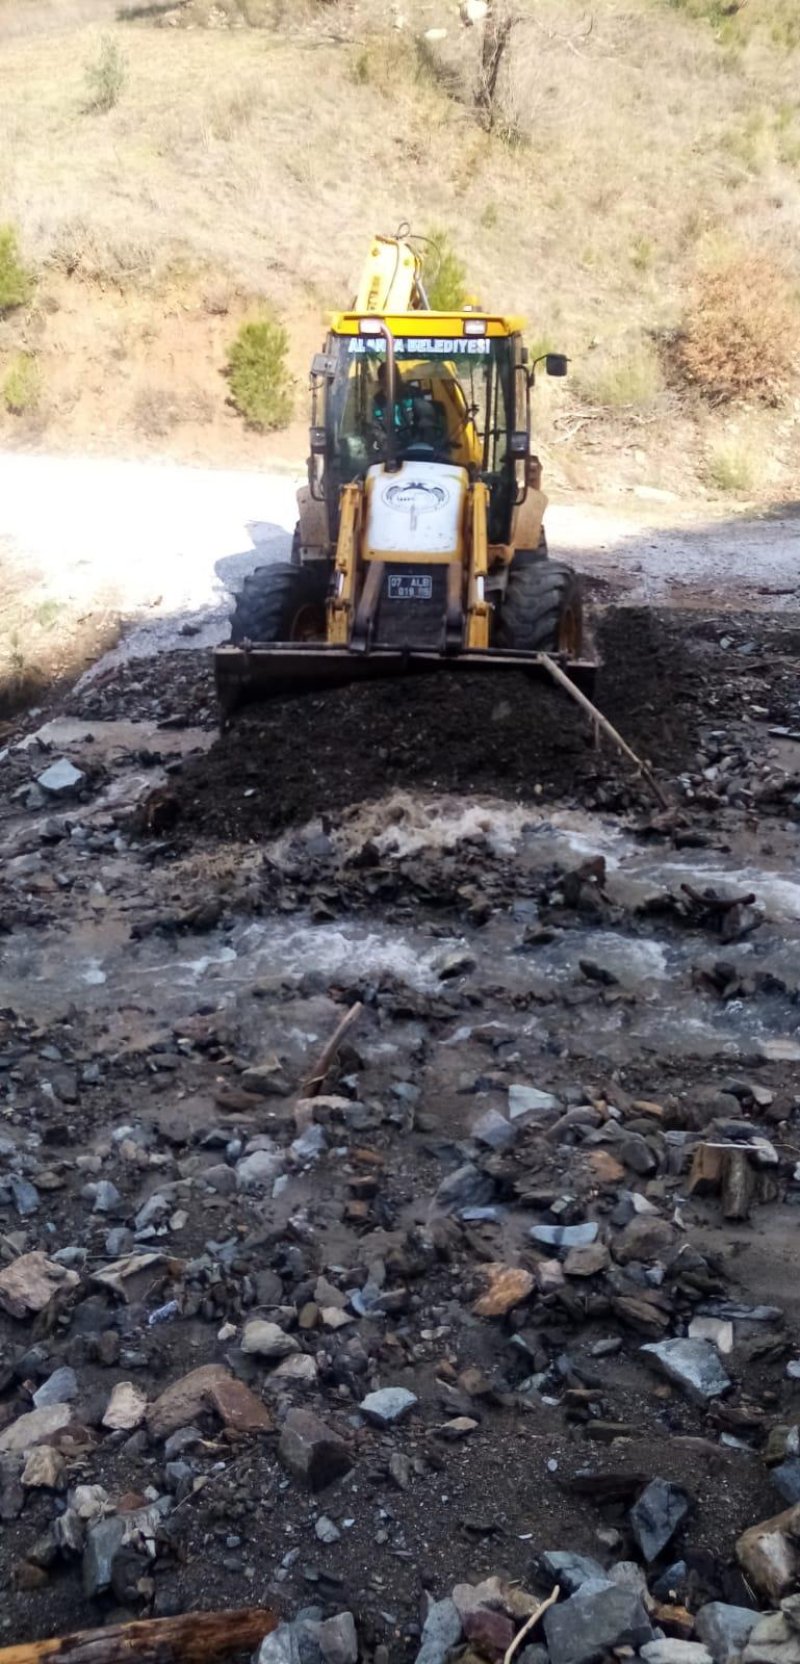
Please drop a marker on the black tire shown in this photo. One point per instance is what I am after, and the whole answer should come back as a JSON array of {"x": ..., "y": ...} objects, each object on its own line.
[
  {"x": 296, "y": 556},
  {"x": 542, "y": 609},
  {"x": 281, "y": 603}
]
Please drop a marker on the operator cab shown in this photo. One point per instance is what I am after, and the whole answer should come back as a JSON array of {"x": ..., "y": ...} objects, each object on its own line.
[{"x": 460, "y": 394}]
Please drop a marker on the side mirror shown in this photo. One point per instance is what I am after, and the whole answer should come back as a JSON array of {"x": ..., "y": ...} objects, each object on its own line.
[
  {"x": 316, "y": 441},
  {"x": 556, "y": 364},
  {"x": 323, "y": 364},
  {"x": 520, "y": 444}
]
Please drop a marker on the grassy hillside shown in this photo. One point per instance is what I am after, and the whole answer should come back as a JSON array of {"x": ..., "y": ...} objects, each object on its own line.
[{"x": 251, "y": 146}]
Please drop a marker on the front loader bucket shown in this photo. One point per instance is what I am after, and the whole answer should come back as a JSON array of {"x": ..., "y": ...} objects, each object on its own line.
[{"x": 243, "y": 674}]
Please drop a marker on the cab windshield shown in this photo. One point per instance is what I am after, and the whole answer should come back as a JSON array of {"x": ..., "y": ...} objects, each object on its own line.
[{"x": 453, "y": 402}]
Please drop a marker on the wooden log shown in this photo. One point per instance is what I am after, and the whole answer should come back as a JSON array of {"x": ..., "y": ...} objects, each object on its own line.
[{"x": 192, "y": 1638}]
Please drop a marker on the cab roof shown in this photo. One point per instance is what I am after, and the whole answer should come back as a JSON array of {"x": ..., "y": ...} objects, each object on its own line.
[{"x": 430, "y": 325}]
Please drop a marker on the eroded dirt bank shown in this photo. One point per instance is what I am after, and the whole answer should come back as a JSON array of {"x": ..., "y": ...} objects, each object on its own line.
[{"x": 579, "y": 1012}]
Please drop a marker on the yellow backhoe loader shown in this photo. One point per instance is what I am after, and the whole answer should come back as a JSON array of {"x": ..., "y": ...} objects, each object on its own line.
[{"x": 420, "y": 540}]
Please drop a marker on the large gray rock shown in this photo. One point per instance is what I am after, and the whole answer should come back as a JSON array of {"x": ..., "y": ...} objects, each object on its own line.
[
  {"x": 656, "y": 1516},
  {"x": 693, "y": 1365},
  {"x": 336, "y": 1638},
  {"x": 601, "y": 1616},
  {"x": 772, "y": 1641},
  {"x": 725, "y": 1629},
  {"x": 281, "y": 1647},
  {"x": 59, "y": 1388},
  {"x": 61, "y": 779},
  {"x": 440, "y": 1633}
]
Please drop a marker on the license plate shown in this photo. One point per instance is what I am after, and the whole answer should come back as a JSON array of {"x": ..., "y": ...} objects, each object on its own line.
[{"x": 410, "y": 586}]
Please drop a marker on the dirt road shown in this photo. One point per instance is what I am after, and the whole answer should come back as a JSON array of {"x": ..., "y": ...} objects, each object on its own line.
[
  {"x": 579, "y": 1014},
  {"x": 160, "y": 547}
]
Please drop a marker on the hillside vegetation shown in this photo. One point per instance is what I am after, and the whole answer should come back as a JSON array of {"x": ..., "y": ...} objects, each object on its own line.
[{"x": 626, "y": 174}]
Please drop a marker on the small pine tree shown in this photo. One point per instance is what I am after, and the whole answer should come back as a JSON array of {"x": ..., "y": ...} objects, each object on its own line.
[
  {"x": 258, "y": 375},
  {"x": 444, "y": 275},
  {"x": 15, "y": 282}
]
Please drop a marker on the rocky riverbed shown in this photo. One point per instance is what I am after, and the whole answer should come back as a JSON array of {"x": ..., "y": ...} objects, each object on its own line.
[{"x": 502, "y": 1297}]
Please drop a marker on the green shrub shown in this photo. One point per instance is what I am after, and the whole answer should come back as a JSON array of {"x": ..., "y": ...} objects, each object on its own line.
[
  {"x": 729, "y": 465},
  {"x": 22, "y": 387},
  {"x": 444, "y": 274},
  {"x": 16, "y": 284},
  {"x": 258, "y": 375},
  {"x": 105, "y": 77},
  {"x": 623, "y": 377}
]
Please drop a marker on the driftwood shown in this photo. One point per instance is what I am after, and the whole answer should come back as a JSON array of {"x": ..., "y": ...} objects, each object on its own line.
[
  {"x": 601, "y": 721},
  {"x": 192, "y": 1638},
  {"x": 314, "y": 1082}
]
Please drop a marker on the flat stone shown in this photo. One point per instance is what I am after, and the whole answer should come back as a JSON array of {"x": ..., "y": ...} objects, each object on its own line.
[
  {"x": 675, "y": 1652},
  {"x": 312, "y": 1451},
  {"x": 527, "y": 1102},
  {"x": 61, "y": 779},
  {"x": 565, "y": 1236},
  {"x": 768, "y": 1553},
  {"x": 29, "y": 1283},
  {"x": 267, "y": 1340},
  {"x": 37, "y": 1427},
  {"x": 724, "y": 1629},
  {"x": 60, "y": 1388},
  {"x": 388, "y": 1405},
  {"x": 441, "y": 1632},
  {"x": 598, "y": 1618},
  {"x": 570, "y": 1571},
  {"x": 656, "y": 1516},
  {"x": 126, "y": 1408},
  {"x": 692, "y": 1364},
  {"x": 508, "y": 1286}
]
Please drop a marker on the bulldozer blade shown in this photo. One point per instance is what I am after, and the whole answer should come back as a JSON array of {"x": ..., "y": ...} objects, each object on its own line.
[{"x": 243, "y": 674}]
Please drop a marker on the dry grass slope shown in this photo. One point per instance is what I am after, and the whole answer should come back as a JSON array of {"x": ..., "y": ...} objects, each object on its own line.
[{"x": 243, "y": 166}]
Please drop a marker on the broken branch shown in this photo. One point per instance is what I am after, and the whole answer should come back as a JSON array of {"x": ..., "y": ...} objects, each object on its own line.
[
  {"x": 192, "y": 1638},
  {"x": 316, "y": 1080},
  {"x": 591, "y": 710}
]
